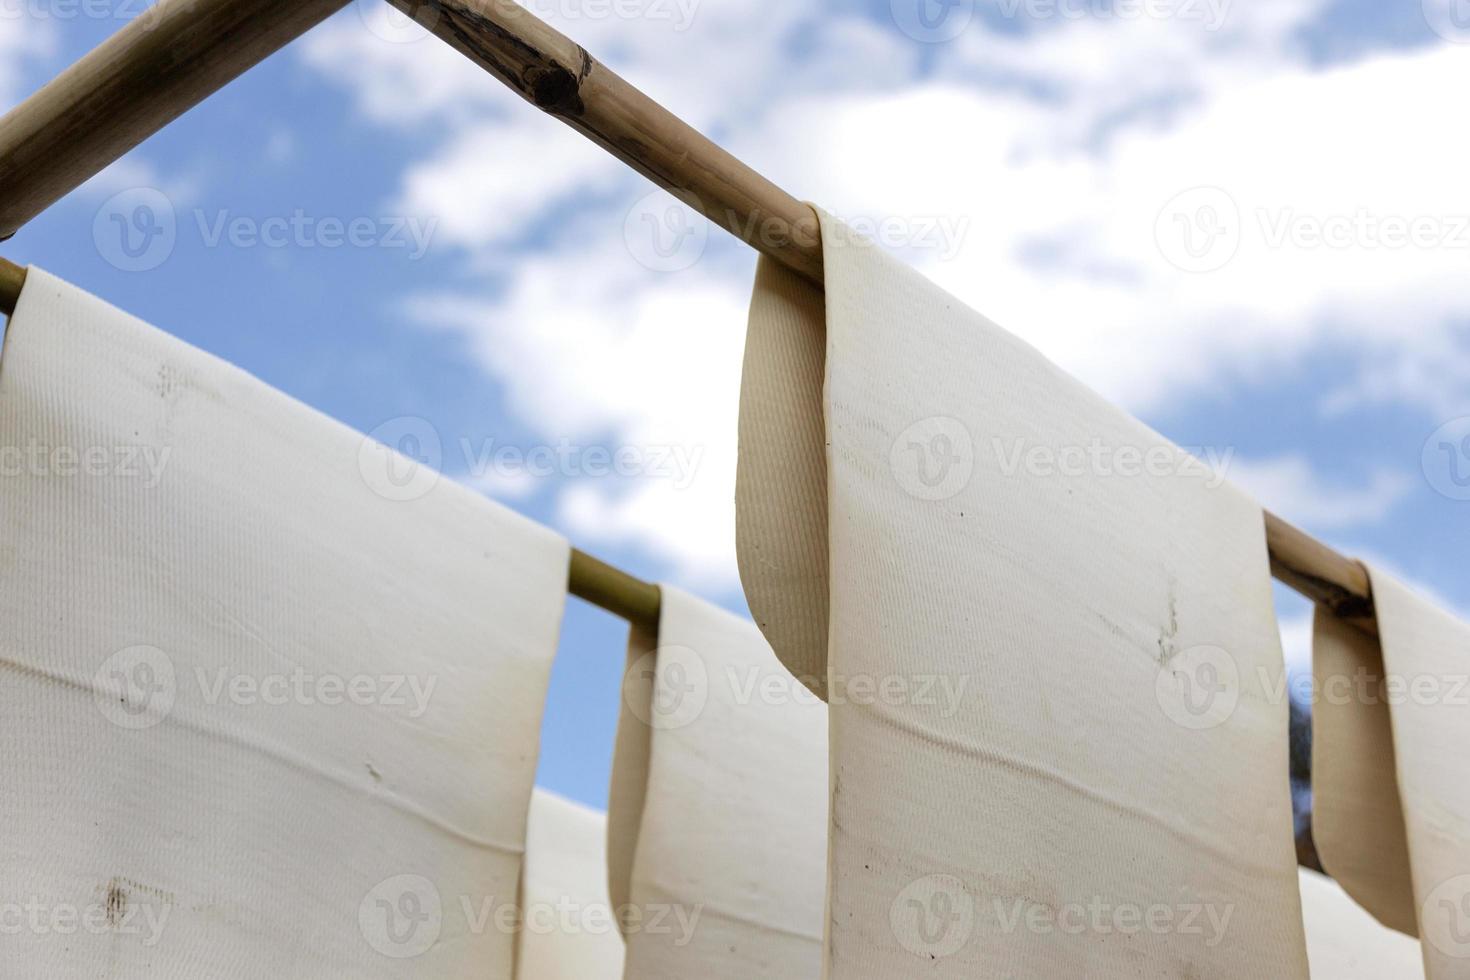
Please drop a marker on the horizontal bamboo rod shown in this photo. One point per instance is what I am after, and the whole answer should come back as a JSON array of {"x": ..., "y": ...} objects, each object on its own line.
[
  {"x": 559, "y": 77},
  {"x": 12, "y": 278},
  {"x": 112, "y": 91},
  {"x": 615, "y": 590},
  {"x": 588, "y": 578},
  {"x": 162, "y": 63}
]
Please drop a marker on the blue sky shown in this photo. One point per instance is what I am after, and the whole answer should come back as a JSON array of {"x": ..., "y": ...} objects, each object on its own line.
[{"x": 1034, "y": 163}]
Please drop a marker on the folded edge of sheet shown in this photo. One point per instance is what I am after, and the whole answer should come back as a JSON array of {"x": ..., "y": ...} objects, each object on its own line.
[
  {"x": 1426, "y": 653},
  {"x": 1357, "y": 818},
  {"x": 718, "y": 815},
  {"x": 781, "y": 477},
  {"x": 568, "y": 928}
]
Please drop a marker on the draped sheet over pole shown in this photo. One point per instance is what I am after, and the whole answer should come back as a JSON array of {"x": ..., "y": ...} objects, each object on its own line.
[
  {"x": 588, "y": 578},
  {"x": 124, "y": 91},
  {"x": 561, "y": 78}
]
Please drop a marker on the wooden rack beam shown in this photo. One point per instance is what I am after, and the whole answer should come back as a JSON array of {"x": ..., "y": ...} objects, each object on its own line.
[
  {"x": 12, "y": 278},
  {"x": 164, "y": 62},
  {"x": 112, "y": 89},
  {"x": 558, "y": 76}
]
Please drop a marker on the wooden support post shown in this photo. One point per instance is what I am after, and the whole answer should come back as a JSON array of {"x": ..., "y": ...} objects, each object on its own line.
[{"x": 163, "y": 63}]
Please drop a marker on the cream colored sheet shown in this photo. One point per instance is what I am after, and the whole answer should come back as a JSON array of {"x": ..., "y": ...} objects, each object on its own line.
[
  {"x": 1394, "y": 808},
  {"x": 718, "y": 815},
  {"x": 1357, "y": 820},
  {"x": 568, "y": 928},
  {"x": 1343, "y": 941},
  {"x": 1058, "y": 723},
  {"x": 257, "y": 718}
]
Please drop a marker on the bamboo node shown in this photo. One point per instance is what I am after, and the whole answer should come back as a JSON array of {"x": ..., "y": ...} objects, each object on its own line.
[{"x": 556, "y": 90}]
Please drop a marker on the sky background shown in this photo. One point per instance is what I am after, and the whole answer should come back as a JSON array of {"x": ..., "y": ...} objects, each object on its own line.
[{"x": 1246, "y": 222}]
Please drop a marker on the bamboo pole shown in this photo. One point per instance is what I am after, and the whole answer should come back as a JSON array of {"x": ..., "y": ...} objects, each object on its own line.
[
  {"x": 559, "y": 77},
  {"x": 615, "y": 590},
  {"x": 163, "y": 63},
  {"x": 114, "y": 86},
  {"x": 12, "y": 279}
]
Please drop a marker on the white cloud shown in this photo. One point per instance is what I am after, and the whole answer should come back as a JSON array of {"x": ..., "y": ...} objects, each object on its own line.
[
  {"x": 588, "y": 344},
  {"x": 24, "y": 41},
  {"x": 1289, "y": 485},
  {"x": 398, "y": 74},
  {"x": 1064, "y": 249},
  {"x": 1057, "y": 151},
  {"x": 494, "y": 178}
]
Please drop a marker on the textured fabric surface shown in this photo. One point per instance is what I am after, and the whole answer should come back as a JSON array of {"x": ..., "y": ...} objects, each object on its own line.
[
  {"x": 781, "y": 479},
  {"x": 1357, "y": 819},
  {"x": 270, "y": 708},
  {"x": 718, "y": 818},
  {"x": 1057, "y": 712},
  {"x": 1343, "y": 941},
  {"x": 568, "y": 931},
  {"x": 1416, "y": 721}
]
